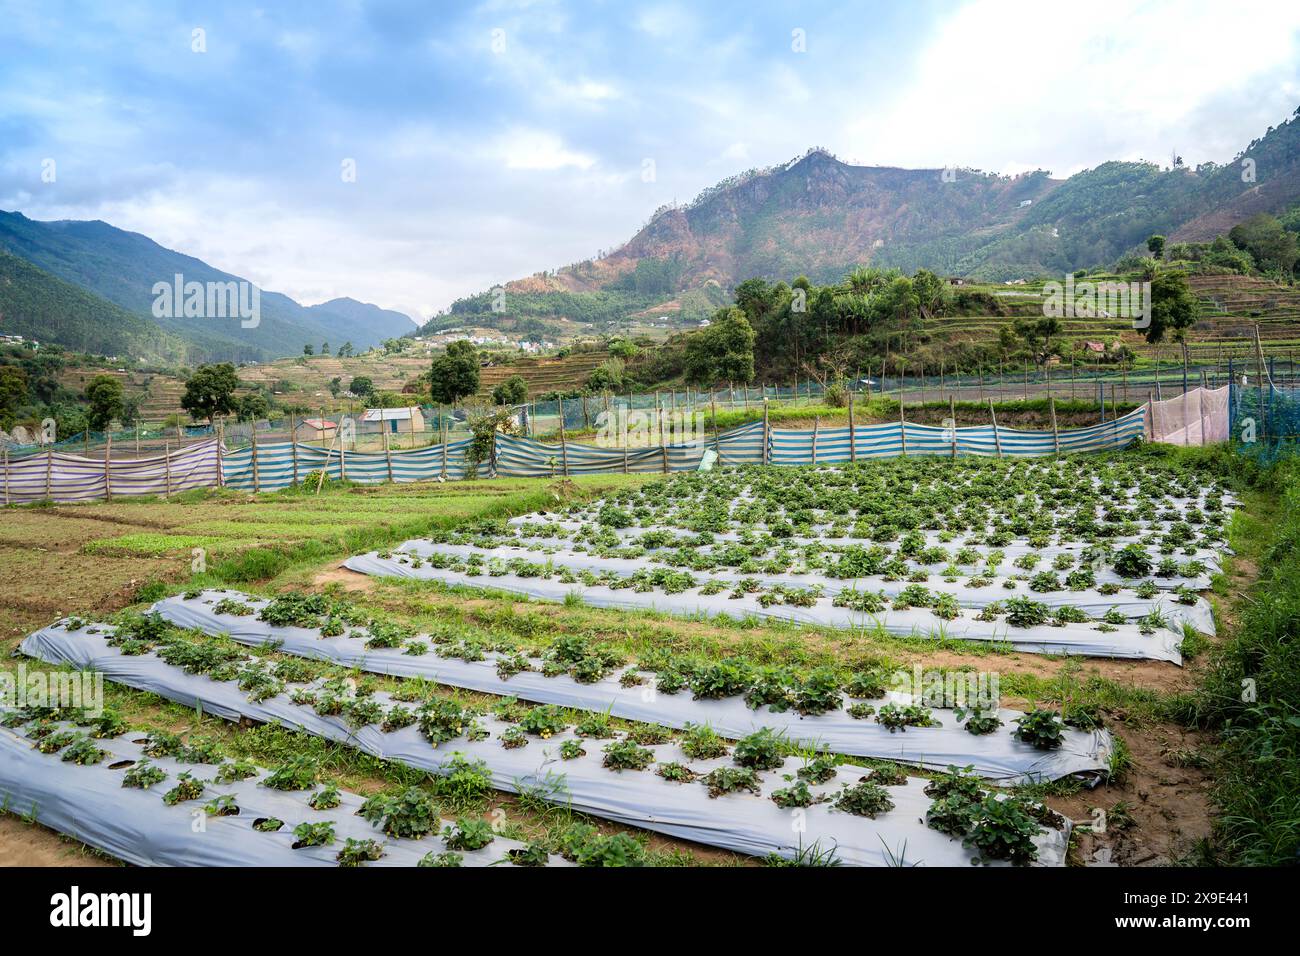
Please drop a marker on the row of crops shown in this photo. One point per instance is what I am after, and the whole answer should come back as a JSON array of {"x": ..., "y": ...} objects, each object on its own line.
[
  {"x": 1096, "y": 556},
  {"x": 760, "y": 793}
]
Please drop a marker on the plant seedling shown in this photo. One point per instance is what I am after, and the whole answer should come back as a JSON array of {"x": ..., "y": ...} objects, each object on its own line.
[
  {"x": 357, "y": 852},
  {"x": 313, "y": 834},
  {"x": 627, "y": 755},
  {"x": 143, "y": 775},
  {"x": 187, "y": 788},
  {"x": 468, "y": 834}
]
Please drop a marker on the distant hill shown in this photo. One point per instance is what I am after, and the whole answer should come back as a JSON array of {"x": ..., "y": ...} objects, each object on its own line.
[
  {"x": 40, "y": 306},
  {"x": 122, "y": 268},
  {"x": 820, "y": 217}
]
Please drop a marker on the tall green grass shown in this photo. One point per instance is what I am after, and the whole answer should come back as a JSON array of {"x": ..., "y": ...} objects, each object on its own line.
[{"x": 1251, "y": 695}]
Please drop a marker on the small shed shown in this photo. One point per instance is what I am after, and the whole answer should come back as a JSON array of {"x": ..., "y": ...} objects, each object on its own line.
[
  {"x": 393, "y": 420},
  {"x": 315, "y": 429}
]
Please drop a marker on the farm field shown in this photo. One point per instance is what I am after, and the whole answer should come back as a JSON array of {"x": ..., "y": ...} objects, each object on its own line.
[{"x": 446, "y": 690}]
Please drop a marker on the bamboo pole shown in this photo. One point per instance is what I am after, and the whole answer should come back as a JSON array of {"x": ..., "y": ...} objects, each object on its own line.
[
  {"x": 817, "y": 424},
  {"x": 293, "y": 445},
  {"x": 713, "y": 407},
  {"x": 902, "y": 420},
  {"x": 6, "y": 454},
  {"x": 324, "y": 470},
  {"x": 767, "y": 457},
  {"x": 221, "y": 457},
  {"x": 952, "y": 415},
  {"x": 564, "y": 446},
  {"x": 108, "y": 481},
  {"x": 388, "y": 452},
  {"x": 257, "y": 481},
  {"x": 1056, "y": 433},
  {"x": 997, "y": 436},
  {"x": 853, "y": 438},
  {"x": 49, "y": 475},
  {"x": 167, "y": 463},
  {"x": 442, "y": 436}
]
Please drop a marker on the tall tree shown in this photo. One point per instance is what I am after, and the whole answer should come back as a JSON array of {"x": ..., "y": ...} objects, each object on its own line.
[
  {"x": 104, "y": 396},
  {"x": 210, "y": 391},
  {"x": 454, "y": 374},
  {"x": 723, "y": 352},
  {"x": 1173, "y": 307}
]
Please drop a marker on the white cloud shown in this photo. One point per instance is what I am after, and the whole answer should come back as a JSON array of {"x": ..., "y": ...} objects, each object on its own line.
[{"x": 537, "y": 150}]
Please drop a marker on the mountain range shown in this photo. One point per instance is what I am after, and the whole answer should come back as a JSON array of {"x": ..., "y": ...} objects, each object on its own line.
[
  {"x": 819, "y": 217},
  {"x": 89, "y": 286}
]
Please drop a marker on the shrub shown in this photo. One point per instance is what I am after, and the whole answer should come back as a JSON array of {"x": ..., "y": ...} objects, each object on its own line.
[{"x": 864, "y": 799}]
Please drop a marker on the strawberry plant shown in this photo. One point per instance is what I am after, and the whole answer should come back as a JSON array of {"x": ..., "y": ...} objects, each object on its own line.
[
  {"x": 978, "y": 722},
  {"x": 1040, "y": 728},
  {"x": 731, "y": 779},
  {"x": 1023, "y": 612},
  {"x": 357, "y": 852},
  {"x": 819, "y": 769},
  {"x": 224, "y": 806},
  {"x": 268, "y": 825},
  {"x": 297, "y": 773},
  {"x": 676, "y": 772},
  {"x": 396, "y": 718},
  {"x": 410, "y": 813},
  {"x": 512, "y": 738},
  {"x": 1131, "y": 561},
  {"x": 952, "y": 814},
  {"x": 234, "y": 771},
  {"x": 463, "y": 781},
  {"x": 187, "y": 788},
  {"x": 442, "y": 720},
  {"x": 143, "y": 776},
  {"x": 596, "y": 726},
  {"x": 572, "y": 750},
  {"x": 1002, "y": 830},
  {"x": 650, "y": 735},
  {"x": 53, "y": 743},
  {"x": 626, "y": 755},
  {"x": 860, "y": 711},
  {"x": 700, "y": 742},
  {"x": 762, "y": 750},
  {"x": 468, "y": 834},
  {"x": 544, "y": 722},
  {"x": 441, "y": 859},
  {"x": 867, "y": 684},
  {"x": 864, "y": 799},
  {"x": 326, "y": 798},
  {"x": 313, "y": 834},
  {"x": 531, "y": 855},
  {"x": 83, "y": 751},
  {"x": 895, "y": 717},
  {"x": 795, "y": 795}
]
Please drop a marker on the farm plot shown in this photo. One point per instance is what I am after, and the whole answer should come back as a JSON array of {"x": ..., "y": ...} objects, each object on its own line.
[
  {"x": 743, "y": 798},
  {"x": 1095, "y": 556},
  {"x": 137, "y": 796},
  {"x": 860, "y": 716}
]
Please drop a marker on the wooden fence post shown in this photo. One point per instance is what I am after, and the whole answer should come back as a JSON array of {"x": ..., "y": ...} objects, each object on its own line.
[
  {"x": 443, "y": 435},
  {"x": 257, "y": 479},
  {"x": 320, "y": 482},
  {"x": 6, "y": 454},
  {"x": 388, "y": 452},
  {"x": 902, "y": 422},
  {"x": 167, "y": 463},
  {"x": 1056, "y": 432},
  {"x": 564, "y": 445},
  {"x": 49, "y": 475},
  {"x": 997, "y": 437},
  {"x": 108, "y": 481},
  {"x": 853, "y": 438},
  {"x": 767, "y": 442},
  {"x": 221, "y": 441},
  {"x": 952, "y": 414},
  {"x": 293, "y": 445},
  {"x": 817, "y": 424}
]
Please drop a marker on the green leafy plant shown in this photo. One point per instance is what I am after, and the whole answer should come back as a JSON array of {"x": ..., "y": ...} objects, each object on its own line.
[{"x": 468, "y": 834}]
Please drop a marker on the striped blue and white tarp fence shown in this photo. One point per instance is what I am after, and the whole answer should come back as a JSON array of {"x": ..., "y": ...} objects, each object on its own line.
[
  {"x": 276, "y": 467},
  {"x": 56, "y": 476}
]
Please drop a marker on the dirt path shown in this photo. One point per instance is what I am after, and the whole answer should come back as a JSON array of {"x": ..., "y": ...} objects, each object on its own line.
[{"x": 28, "y": 844}]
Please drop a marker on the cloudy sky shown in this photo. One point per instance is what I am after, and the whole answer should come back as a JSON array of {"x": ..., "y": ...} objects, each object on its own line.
[{"x": 493, "y": 140}]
